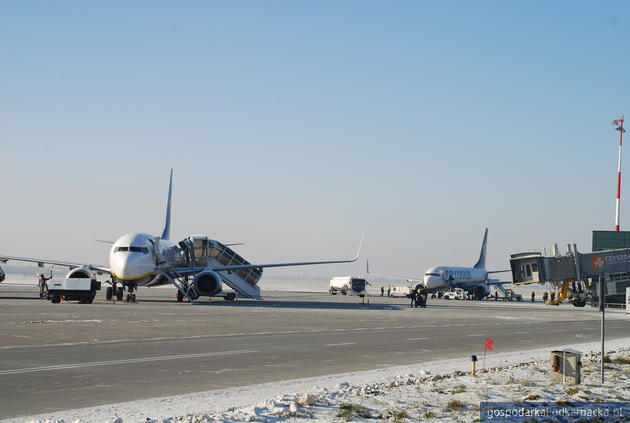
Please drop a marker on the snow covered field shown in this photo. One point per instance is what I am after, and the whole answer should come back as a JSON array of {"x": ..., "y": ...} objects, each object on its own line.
[{"x": 433, "y": 391}]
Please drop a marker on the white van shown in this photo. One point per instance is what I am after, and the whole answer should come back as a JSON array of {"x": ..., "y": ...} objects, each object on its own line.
[
  {"x": 400, "y": 291},
  {"x": 347, "y": 285},
  {"x": 455, "y": 294}
]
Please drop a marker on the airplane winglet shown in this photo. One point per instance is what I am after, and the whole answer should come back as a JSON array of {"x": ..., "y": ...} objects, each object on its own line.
[{"x": 359, "y": 249}]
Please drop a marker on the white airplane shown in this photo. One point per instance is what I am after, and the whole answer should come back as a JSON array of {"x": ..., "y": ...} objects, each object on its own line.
[
  {"x": 197, "y": 266},
  {"x": 473, "y": 280}
]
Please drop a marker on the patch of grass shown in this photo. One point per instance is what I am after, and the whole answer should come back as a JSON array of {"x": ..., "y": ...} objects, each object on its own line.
[
  {"x": 599, "y": 399},
  {"x": 429, "y": 415},
  {"x": 458, "y": 389},
  {"x": 621, "y": 360},
  {"x": 572, "y": 391},
  {"x": 348, "y": 411},
  {"x": 524, "y": 382},
  {"x": 397, "y": 416},
  {"x": 455, "y": 405},
  {"x": 607, "y": 359},
  {"x": 563, "y": 403},
  {"x": 532, "y": 397}
]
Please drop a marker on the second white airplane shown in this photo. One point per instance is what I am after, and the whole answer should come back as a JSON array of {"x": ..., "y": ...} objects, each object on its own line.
[{"x": 474, "y": 280}]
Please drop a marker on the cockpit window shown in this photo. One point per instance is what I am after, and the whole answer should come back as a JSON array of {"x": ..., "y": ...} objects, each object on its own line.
[
  {"x": 431, "y": 274},
  {"x": 143, "y": 250}
]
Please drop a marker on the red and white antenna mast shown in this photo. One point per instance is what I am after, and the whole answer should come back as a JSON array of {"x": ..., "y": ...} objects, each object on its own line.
[{"x": 619, "y": 124}]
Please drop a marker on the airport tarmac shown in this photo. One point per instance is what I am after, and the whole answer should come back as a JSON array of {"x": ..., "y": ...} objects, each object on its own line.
[{"x": 56, "y": 357}]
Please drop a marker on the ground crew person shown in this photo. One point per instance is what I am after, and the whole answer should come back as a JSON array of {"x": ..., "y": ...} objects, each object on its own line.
[
  {"x": 43, "y": 286},
  {"x": 422, "y": 297},
  {"x": 552, "y": 297},
  {"x": 412, "y": 295},
  {"x": 389, "y": 290},
  {"x": 533, "y": 295},
  {"x": 382, "y": 290},
  {"x": 545, "y": 297}
]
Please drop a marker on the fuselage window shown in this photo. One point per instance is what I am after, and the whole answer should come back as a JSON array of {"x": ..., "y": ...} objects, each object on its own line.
[{"x": 122, "y": 249}]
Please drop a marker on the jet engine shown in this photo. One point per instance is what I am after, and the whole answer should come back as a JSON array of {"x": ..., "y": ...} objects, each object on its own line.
[
  {"x": 207, "y": 283},
  {"x": 481, "y": 291},
  {"x": 81, "y": 272}
]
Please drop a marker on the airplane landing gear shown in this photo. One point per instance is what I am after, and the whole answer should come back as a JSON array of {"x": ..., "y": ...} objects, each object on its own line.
[
  {"x": 109, "y": 293},
  {"x": 131, "y": 297}
]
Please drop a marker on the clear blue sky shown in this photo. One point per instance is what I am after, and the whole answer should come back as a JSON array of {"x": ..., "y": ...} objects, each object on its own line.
[{"x": 297, "y": 126}]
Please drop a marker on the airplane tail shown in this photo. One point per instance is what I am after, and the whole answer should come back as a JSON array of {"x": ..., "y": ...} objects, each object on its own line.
[
  {"x": 481, "y": 264},
  {"x": 167, "y": 225}
]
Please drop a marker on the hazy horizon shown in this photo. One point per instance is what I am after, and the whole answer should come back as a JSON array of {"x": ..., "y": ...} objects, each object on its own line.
[{"x": 298, "y": 127}]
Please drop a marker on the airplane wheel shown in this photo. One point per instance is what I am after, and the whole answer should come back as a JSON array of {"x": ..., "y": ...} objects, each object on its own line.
[
  {"x": 180, "y": 297},
  {"x": 344, "y": 291},
  {"x": 332, "y": 291},
  {"x": 56, "y": 299},
  {"x": 229, "y": 297},
  {"x": 119, "y": 293},
  {"x": 133, "y": 298},
  {"x": 128, "y": 299},
  {"x": 109, "y": 293}
]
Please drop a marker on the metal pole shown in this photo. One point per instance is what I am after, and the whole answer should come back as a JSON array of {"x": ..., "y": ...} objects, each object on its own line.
[
  {"x": 621, "y": 131},
  {"x": 602, "y": 307}
]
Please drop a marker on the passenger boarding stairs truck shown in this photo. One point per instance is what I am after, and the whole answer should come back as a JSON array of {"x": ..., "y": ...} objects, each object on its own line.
[
  {"x": 507, "y": 293},
  {"x": 204, "y": 252}
]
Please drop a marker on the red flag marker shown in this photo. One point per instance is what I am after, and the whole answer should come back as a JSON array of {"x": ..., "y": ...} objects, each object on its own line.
[{"x": 489, "y": 343}]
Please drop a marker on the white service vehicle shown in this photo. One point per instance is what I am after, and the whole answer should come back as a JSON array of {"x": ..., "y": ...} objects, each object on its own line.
[
  {"x": 400, "y": 291},
  {"x": 73, "y": 289},
  {"x": 347, "y": 285},
  {"x": 455, "y": 294}
]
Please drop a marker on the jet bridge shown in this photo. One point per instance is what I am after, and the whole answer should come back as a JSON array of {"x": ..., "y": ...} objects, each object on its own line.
[{"x": 574, "y": 271}]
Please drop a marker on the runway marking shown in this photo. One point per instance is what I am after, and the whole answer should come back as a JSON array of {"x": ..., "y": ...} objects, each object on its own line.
[
  {"x": 477, "y": 334},
  {"x": 417, "y": 339},
  {"x": 521, "y": 332},
  {"x": 266, "y": 333},
  {"x": 340, "y": 344},
  {"x": 125, "y": 361}
]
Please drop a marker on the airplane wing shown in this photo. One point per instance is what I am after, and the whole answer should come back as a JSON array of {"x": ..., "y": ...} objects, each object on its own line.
[
  {"x": 367, "y": 270},
  {"x": 499, "y": 271},
  {"x": 41, "y": 262},
  {"x": 192, "y": 270}
]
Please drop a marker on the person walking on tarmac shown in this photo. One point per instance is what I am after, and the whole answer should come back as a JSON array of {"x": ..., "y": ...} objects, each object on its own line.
[
  {"x": 412, "y": 295},
  {"x": 533, "y": 295},
  {"x": 43, "y": 286},
  {"x": 382, "y": 290},
  {"x": 389, "y": 290}
]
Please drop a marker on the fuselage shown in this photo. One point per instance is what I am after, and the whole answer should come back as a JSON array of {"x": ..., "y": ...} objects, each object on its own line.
[
  {"x": 451, "y": 276},
  {"x": 134, "y": 258}
]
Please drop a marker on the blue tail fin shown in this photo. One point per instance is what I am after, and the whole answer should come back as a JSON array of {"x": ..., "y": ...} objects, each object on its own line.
[
  {"x": 481, "y": 264},
  {"x": 166, "y": 234}
]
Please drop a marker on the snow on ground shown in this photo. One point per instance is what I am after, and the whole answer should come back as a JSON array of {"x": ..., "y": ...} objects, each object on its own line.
[{"x": 433, "y": 391}]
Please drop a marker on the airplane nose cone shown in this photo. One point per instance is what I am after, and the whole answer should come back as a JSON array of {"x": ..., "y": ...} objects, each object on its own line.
[
  {"x": 432, "y": 282},
  {"x": 131, "y": 266}
]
